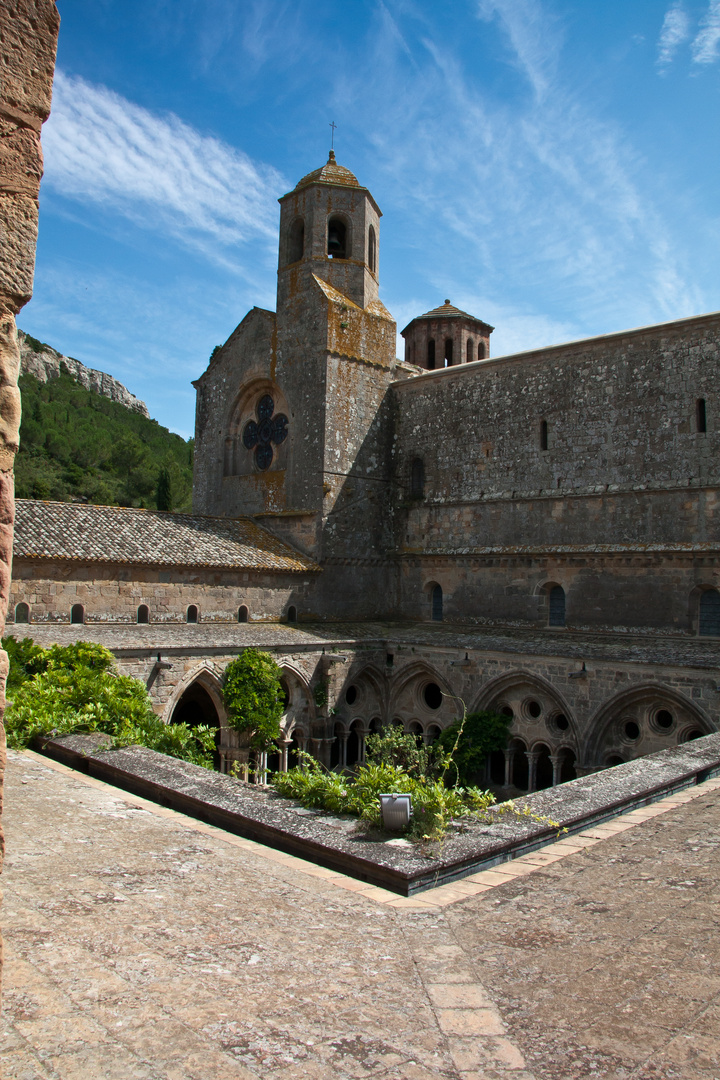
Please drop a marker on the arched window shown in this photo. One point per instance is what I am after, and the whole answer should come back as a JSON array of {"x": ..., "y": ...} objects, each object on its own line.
[
  {"x": 556, "y": 606},
  {"x": 469, "y": 351},
  {"x": 437, "y": 603},
  {"x": 417, "y": 479},
  {"x": 296, "y": 241},
  {"x": 481, "y": 350},
  {"x": 337, "y": 238},
  {"x": 543, "y": 435},
  {"x": 77, "y": 613},
  {"x": 192, "y": 614},
  {"x": 700, "y": 416},
  {"x": 242, "y": 614},
  {"x": 22, "y": 613},
  {"x": 372, "y": 249},
  {"x": 709, "y": 621},
  {"x": 431, "y": 354},
  {"x": 448, "y": 352},
  {"x": 143, "y": 614},
  {"x": 292, "y": 613}
]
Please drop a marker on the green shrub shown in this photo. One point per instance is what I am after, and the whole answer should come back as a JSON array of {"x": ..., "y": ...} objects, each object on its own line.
[
  {"x": 392, "y": 746},
  {"x": 434, "y": 805},
  {"x": 253, "y": 696},
  {"x": 74, "y": 688},
  {"x": 476, "y": 736}
]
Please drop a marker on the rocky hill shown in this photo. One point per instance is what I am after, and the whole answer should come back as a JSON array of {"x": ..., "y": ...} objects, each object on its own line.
[{"x": 45, "y": 363}]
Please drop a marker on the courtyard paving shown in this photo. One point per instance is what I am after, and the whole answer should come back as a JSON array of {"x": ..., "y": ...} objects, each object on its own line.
[{"x": 142, "y": 944}]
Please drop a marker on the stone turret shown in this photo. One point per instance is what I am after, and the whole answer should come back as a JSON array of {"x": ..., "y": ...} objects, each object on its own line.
[{"x": 446, "y": 336}]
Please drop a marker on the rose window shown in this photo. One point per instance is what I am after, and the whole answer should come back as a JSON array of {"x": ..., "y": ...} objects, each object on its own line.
[{"x": 260, "y": 435}]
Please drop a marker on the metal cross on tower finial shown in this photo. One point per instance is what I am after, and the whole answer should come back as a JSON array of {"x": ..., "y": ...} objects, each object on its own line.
[{"x": 332, "y": 138}]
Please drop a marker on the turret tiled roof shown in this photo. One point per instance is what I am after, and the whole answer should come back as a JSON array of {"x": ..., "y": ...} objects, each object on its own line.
[
  {"x": 330, "y": 173},
  {"x": 115, "y": 534},
  {"x": 448, "y": 310}
]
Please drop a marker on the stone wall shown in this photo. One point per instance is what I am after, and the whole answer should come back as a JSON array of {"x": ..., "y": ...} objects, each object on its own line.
[
  {"x": 625, "y": 468},
  {"x": 112, "y": 594}
]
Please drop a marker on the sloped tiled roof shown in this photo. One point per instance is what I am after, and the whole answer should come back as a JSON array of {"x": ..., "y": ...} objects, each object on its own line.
[
  {"x": 115, "y": 534},
  {"x": 447, "y": 310}
]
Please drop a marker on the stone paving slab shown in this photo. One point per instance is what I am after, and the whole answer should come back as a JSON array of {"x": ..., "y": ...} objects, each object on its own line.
[{"x": 140, "y": 943}]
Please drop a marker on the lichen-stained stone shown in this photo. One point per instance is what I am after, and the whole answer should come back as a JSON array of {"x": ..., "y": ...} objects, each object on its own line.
[
  {"x": 18, "y": 237},
  {"x": 29, "y": 29},
  {"x": 28, "y": 32}
]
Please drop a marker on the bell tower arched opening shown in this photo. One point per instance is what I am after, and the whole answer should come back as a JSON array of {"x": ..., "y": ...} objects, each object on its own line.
[{"x": 337, "y": 238}]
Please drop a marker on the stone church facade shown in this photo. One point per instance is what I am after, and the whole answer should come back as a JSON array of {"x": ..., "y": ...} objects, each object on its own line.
[{"x": 537, "y": 533}]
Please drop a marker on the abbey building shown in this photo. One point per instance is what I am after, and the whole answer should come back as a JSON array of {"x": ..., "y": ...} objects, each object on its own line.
[{"x": 538, "y": 533}]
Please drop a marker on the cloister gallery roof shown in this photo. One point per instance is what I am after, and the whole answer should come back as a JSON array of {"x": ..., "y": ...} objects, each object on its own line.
[{"x": 116, "y": 534}]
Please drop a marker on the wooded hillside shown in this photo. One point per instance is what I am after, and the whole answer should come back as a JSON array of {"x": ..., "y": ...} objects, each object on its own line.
[{"x": 76, "y": 445}]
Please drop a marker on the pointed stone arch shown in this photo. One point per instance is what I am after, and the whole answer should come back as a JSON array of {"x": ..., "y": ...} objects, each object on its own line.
[
  {"x": 209, "y": 676},
  {"x": 300, "y": 711},
  {"x": 612, "y": 734},
  {"x": 555, "y": 724},
  {"x": 198, "y": 699},
  {"x": 411, "y": 698},
  {"x": 372, "y": 689}
]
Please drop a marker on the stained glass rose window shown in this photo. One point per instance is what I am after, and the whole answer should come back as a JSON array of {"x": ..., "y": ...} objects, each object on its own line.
[{"x": 267, "y": 431}]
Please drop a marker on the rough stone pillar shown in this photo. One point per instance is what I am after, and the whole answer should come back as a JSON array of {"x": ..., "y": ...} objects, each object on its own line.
[
  {"x": 362, "y": 734},
  {"x": 285, "y": 745},
  {"x": 343, "y": 749},
  {"x": 509, "y": 762},
  {"x": 28, "y": 31},
  {"x": 557, "y": 763},
  {"x": 532, "y": 760}
]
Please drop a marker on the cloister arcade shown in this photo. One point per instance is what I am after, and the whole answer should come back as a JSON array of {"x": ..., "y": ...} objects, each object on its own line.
[{"x": 548, "y": 744}]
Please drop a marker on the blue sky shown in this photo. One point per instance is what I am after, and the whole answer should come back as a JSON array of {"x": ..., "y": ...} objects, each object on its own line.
[{"x": 549, "y": 165}]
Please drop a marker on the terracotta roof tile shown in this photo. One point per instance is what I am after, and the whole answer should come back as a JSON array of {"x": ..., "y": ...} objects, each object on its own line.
[
  {"x": 448, "y": 310},
  {"x": 115, "y": 534}
]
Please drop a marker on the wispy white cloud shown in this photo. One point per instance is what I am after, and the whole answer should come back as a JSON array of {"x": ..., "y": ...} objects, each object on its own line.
[
  {"x": 534, "y": 36},
  {"x": 675, "y": 30},
  {"x": 156, "y": 170},
  {"x": 706, "y": 43},
  {"x": 529, "y": 197}
]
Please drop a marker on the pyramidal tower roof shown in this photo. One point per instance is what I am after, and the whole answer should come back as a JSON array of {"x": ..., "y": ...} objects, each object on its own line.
[
  {"x": 445, "y": 311},
  {"x": 329, "y": 173}
]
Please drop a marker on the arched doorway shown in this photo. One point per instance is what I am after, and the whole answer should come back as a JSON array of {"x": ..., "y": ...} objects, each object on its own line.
[{"x": 196, "y": 707}]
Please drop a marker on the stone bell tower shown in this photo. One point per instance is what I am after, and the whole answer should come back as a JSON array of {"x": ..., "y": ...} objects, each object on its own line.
[
  {"x": 291, "y": 420},
  {"x": 329, "y": 226}
]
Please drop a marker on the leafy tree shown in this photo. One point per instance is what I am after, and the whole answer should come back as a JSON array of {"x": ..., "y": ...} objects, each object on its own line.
[
  {"x": 479, "y": 735},
  {"x": 164, "y": 494},
  {"x": 253, "y": 696}
]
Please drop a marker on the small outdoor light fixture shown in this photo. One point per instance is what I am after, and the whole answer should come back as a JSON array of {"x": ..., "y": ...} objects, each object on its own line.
[
  {"x": 396, "y": 811},
  {"x": 461, "y": 663}
]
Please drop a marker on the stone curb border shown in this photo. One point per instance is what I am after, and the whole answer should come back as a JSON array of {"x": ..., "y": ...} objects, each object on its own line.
[
  {"x": 575, "y": 807},
  {"x": 442, "y": 895}
]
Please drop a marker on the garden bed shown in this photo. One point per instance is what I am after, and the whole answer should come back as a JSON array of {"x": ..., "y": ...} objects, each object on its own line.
[{"x": 344, "y": 844}]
